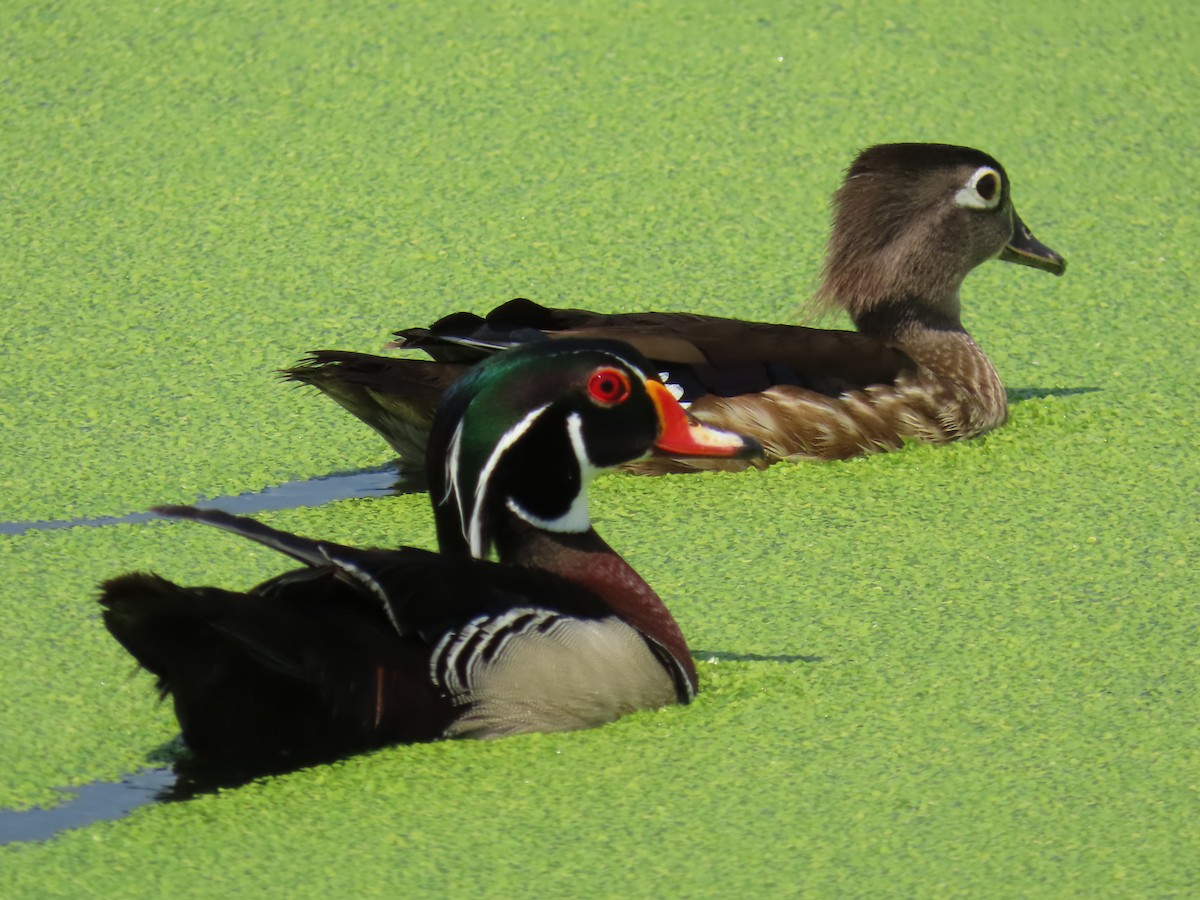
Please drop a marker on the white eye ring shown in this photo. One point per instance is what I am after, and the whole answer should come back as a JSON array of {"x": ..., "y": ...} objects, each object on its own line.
[{"x": 982, "y": 190}]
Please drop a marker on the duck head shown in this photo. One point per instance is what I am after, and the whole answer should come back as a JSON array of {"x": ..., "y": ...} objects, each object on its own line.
[
  {"x": 522, "y": 435},
  {"x": 912, "y": 220}
]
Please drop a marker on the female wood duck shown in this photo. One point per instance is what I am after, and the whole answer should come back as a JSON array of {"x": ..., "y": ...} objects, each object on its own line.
[
  {"x": 910, "y": 222},
  {"x": 363, "y": 648}
]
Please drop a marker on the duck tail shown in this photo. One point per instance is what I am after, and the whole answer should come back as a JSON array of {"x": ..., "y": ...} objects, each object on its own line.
[
  {"x": 301, "y": 549},
  {"x": 165, "y": 627},
  {"x": 396, "y": 397},
  {"x": 464, "y": 337}
]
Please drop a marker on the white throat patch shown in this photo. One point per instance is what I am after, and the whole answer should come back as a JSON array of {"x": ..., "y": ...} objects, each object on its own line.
[{"x": 576, "y": 518}]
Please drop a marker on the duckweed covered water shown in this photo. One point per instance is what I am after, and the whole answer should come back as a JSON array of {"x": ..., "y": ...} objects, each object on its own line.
[{"x": 966, "y": 670}]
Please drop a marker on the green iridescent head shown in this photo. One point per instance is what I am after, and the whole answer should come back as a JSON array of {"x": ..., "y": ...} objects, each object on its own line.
[{"x": 524, "y": 432}]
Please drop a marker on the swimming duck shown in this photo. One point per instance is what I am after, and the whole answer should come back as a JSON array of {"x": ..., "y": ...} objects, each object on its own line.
[
  {"x": 910, "y": 222},
  {"x": 366, "y": 647}
]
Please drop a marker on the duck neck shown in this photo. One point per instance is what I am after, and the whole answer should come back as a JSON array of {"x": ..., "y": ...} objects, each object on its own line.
[
  {"x": 932, "y": 334},
  {"x": 935, "y": 339},
  {"x": 585, "y": 559},
  {"x": 900, "y": 319}
]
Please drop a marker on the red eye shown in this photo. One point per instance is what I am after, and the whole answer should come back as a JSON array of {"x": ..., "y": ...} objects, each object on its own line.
[{"x": 608, "y": 387}]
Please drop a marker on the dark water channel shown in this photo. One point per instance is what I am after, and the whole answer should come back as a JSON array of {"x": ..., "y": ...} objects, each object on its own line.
[
  {"x": 375, "y": 482},
  {"x": 100, "y": 801}
]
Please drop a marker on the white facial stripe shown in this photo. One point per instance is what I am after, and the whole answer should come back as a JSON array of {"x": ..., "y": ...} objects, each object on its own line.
[
  {"x": 474, "y": 532},
  {"x": 452, "y": 459},
  {"x": 576, "y": 519},
  {"x": 587, "y": 471}
]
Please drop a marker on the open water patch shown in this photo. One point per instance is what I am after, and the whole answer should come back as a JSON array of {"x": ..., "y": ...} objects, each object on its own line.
[
  {"x": 379, "y": 481},
  {"x": 100, "y": 801}
]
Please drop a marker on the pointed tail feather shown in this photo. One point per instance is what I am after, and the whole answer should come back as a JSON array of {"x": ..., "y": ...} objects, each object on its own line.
[
  {"x": 396, "y": 397},
  {"x": 301, "y": 549},
  {"x": 365, "y": 571}
]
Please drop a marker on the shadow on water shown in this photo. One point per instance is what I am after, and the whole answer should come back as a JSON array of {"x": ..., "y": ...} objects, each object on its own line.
[
  {"x": 107, "y": 801},
  {"x": 724, "y": 656},
  {"x": 379, "y": 481},
  {"x": 100, "y": 801},
  {"x": 186, "y": 778},
  {"x": 1017, "y": 395}
]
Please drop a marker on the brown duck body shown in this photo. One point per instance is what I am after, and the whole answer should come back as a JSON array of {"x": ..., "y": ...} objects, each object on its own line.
[
  {"x": 801, "y": 392},
  {"x": 911, "y": 221}
]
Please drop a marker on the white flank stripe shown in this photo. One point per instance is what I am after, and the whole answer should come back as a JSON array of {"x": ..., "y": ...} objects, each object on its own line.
[
  {"x": 497, "y": 628},
  {"x": 436, "y": 657},
  {"x": 683, "y": 679}
]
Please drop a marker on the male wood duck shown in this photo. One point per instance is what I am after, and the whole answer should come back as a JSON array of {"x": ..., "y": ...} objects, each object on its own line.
[
  {"x": 910, "y": 222},
  {"x": 362, "y": 648}
]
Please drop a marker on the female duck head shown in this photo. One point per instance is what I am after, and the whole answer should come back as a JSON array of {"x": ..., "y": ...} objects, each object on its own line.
[
  {"x": 912, "y": 220},
  {"x": 524, "y": 432}
]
